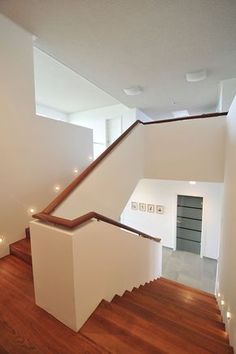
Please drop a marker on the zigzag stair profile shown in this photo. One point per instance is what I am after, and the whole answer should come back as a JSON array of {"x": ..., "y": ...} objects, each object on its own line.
[
  {"x": 186, "y": 320},
  {"x": 161, "y": 316}
]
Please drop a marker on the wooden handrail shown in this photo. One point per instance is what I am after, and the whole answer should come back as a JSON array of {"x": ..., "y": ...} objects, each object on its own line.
[
  {"x": 52, "y": 206},
  {"x": 71, "y": 224},
  {"x": 46, "y": 216},
  {"x": 64, "y": 194},
  {"x": 199, "y": 116}
]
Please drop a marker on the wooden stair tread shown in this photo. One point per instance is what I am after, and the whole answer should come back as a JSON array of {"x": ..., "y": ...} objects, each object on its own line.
[
  {"x": 186, "y": 296},
  {"x": 180, "y": 337},
  {"x": 113, "y": 337},
  {"x": 157, "y": 335},
  {"x": 183, "y": 303},
  {"x": 187, "y": 287},
  {"x": 22, "y": 250},
  {"x": 176, "y": 312},
  {"x": 185, "y": 292},
  {"x": 188, "y": 328}
]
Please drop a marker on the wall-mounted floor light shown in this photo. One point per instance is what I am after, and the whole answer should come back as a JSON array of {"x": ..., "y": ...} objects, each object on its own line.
[{"x": 57, "y": 188}]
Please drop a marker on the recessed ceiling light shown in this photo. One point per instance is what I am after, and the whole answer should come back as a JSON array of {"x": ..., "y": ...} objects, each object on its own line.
[
  {"x": 196, "y": 76},
  {"x": 133, "y": 91},
  {"x": 32, "y": 210},
  {"x": 222, "y": 302},
  {"x": 183, "y": 113},
  {"x": 192, "y": 182}
]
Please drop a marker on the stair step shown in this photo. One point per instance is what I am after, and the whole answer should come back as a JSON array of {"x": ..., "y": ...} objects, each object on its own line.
[
  {"x": 187, "y": 296},
  {"x": 167, "y": 337},
  {"x": 177, "y": 335},
  {"x": 186, "y": 287},
  {"x": 168, "y": 308},
  {"x": 171, "y": 304},
  {"x": 208, "y": 299},
  {"x": 22, "y": 250},
  {"x": 155, "y": 317},
  {"x": 112, "y": 337},
  {"x": 183, "y": 303}
]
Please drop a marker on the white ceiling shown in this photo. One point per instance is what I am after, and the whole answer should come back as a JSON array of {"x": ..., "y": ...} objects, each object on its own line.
[
  {"x": 151, "y": 43},
  {"x": 59, "y": 87}
]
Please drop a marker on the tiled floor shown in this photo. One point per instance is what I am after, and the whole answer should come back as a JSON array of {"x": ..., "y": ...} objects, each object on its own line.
[{"x": 189, "y": 269}]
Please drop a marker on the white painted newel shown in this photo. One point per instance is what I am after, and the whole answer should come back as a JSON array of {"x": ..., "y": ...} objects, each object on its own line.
[{"x": 73, "y": 271}]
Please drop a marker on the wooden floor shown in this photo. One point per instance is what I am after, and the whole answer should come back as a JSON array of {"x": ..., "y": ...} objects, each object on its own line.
[{"x": 160, "y": 317}]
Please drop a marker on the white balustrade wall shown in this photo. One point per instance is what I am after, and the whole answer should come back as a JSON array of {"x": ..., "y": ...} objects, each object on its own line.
[{"x": 74, "y": 270}]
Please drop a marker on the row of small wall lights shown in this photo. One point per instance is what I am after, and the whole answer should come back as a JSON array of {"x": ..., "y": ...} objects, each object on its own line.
[
  {"x": 56, "y": 188},
  {"x": 222, "y": 302}
]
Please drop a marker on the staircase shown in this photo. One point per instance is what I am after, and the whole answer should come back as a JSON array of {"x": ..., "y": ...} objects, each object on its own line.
[
  {"x": 159, "y": 317},
  {"x": 22, "y": 248}
]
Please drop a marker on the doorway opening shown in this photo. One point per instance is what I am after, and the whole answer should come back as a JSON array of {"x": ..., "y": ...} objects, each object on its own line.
[{"x": 189, "y": 224}]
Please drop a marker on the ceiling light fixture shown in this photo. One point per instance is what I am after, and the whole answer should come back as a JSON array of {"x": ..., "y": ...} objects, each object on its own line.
[
  {"x": 192, "y": 182},
  {"x": 196, "y": 76},
  {"x": 133, "y": 91}
]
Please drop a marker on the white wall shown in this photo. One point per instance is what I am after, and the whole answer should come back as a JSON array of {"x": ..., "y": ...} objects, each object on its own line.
[
  {"x": 96, "y": 120},
  {"x": 227, "y": 91},
  {"x": 36, "y": 153},
  {"x": 48, "y": 112},
  {"x": 186, "y": 150},
  {"x": 227, "y": 259},
  {"x": 140, "y": 115},
  {"x": 107, "y": 189},
  {"x": 93, "y": 262},
  {"x": 165, "y": 192}
]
